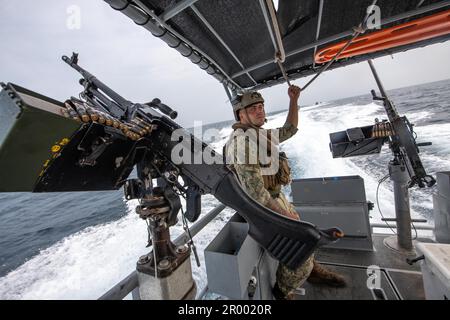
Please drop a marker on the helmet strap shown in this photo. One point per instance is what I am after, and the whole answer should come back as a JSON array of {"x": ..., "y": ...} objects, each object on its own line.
[{"x": 249, "y": 119}]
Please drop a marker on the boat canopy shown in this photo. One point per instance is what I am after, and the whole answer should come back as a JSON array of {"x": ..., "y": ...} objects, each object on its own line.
[{"x": 235, "y": 41}]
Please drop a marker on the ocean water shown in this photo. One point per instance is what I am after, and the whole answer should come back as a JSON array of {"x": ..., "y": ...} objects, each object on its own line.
[{"x": 78, "y": 245}]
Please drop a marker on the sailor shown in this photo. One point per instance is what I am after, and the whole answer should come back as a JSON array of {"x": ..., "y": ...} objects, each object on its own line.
[{"x": 263, "y": 182}]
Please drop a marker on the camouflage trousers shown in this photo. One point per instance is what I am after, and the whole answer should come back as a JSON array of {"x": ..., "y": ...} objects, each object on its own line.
[{"x": 288, "y": 279}]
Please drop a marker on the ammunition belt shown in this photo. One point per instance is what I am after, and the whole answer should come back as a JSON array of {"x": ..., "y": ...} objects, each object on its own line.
[
  {"x": 81, "y": 111},
  {"x": 382, "y": 130}
]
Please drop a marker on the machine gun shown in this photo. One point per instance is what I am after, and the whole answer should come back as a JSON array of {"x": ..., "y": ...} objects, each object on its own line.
[
  {"x": 405, "y": 169},
  {"x": 105, "y": 136},
  {"x": 397, "y": 131},
  {"x": 403, "y": 142}
]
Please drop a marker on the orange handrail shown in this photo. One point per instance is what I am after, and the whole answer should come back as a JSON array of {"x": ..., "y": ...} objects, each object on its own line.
[{"x": 406, "y": 33}]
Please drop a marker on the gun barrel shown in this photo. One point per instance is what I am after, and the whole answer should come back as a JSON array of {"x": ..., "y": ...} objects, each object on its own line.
[
  {"x": 121, "y": 101},
  {"x": 377, "y": 79},
  {"x": 388, "y": 105}
]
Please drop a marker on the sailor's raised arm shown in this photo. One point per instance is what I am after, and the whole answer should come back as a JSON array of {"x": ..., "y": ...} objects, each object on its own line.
[
  {"x": 290, "y": 126},
  {"x": 294, "y": 94}
]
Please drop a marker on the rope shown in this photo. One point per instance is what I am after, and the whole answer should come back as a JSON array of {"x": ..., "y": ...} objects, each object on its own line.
[
  {"x": 280, "y": 55},
  {"x": 324, "y": 68},
  {"x": 283, "y": 72}
]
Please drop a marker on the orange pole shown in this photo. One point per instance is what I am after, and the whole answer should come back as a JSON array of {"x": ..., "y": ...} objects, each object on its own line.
[{"x": 407, "y": 33}]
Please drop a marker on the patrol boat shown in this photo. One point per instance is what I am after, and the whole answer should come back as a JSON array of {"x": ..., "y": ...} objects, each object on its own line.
[{"x": 246, "y": 45}]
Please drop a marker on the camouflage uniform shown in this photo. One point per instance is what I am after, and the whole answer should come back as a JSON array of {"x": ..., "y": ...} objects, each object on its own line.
[{"x": 252, "y": 181}]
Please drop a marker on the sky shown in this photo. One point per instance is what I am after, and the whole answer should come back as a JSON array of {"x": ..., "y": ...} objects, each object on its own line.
[{"x": 35, "y": 34}]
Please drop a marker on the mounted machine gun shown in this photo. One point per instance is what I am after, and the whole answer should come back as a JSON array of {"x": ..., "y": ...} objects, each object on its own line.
[{"x": 100, "y": 139}]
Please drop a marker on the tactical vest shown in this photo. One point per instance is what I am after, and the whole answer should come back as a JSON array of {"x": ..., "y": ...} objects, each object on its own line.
[{"x": 273, "y": 182}]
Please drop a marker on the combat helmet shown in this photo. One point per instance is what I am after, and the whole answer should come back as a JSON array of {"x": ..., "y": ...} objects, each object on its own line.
[{"x": 245, "y": 100}]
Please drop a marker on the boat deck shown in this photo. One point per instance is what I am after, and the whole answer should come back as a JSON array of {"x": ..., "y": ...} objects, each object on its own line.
[{"x": 399, "y": 280}]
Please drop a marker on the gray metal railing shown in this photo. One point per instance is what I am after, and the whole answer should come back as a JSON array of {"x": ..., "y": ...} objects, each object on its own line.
[
  {"x": 130, "y": 282},
  {"x": 393, "y": 226}
]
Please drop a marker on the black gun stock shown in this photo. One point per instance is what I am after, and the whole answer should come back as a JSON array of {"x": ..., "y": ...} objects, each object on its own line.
[{"x": 289, "y": 241}]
